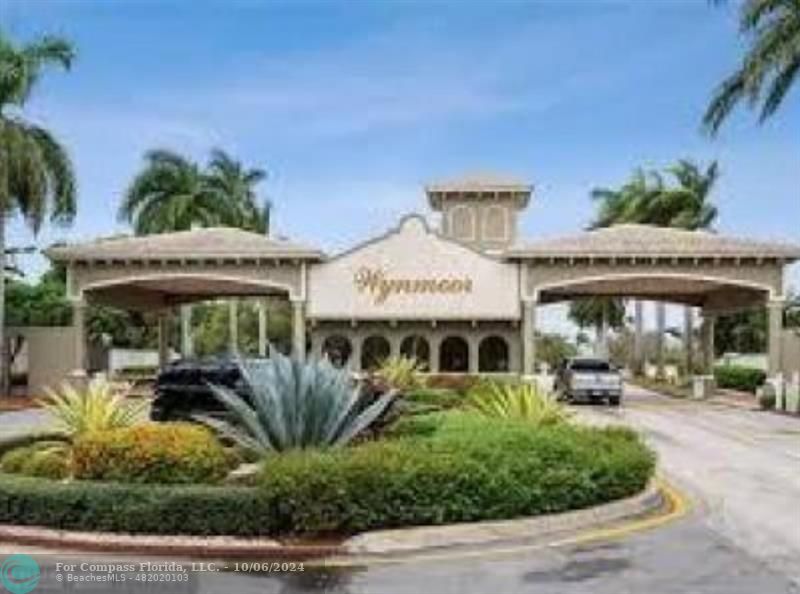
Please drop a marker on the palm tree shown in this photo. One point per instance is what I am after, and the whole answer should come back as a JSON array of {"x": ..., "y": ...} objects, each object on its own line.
[
  {"x": 647, "y": 199},
  {"x": 769, "y": 68},
  {"x": 629, "y": 203},
  {"x": 600, "y": 313},
  {"x": 36, "y": 175},
  {"x": 683, "y": 205},
  {"x": 233, "y": 182},
  {"x": 690, "y": 209},
  {"x": 172, "y": 193},
  {"x": 615, "y": 206}
]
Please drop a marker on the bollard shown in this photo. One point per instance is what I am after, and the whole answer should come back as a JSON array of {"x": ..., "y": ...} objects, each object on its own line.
[{"x": 702, "y": 386}]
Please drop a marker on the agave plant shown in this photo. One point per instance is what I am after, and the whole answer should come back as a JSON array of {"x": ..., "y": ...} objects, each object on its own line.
[
  {"x": 295, "y": 404},
  {"x": 517, "y": 401},
  {"x": 401, "y": 373},
  {"x": 97, "y": 408}
]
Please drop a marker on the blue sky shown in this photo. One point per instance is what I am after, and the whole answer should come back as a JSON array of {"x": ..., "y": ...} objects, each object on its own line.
[{"x": 352, "y": 106}]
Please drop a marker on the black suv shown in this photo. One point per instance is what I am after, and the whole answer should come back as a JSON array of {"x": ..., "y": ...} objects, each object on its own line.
[{"x": 182, "y": 388}]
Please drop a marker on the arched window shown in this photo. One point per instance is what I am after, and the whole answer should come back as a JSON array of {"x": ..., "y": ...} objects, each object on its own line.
[
  {"x": 495, "y": 224},
  {"x": 374, "y": 351},
  {"x": 493, "y": 355},
  {"x": 338, "y": 349},
  {"x": 462, "y": 222},
  {"x": 454, "y": 355},
  {"x": 416, "y": 347}
]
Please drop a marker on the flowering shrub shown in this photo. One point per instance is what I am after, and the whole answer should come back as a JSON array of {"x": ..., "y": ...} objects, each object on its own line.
[{"x": 151, "y": 453}]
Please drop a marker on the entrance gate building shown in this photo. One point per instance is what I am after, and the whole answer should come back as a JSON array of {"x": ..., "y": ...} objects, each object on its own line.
[{"x": 460, "y": 298}]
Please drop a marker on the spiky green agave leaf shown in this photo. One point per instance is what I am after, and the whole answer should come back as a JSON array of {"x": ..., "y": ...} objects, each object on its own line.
[{"x": 295, "y": 405}]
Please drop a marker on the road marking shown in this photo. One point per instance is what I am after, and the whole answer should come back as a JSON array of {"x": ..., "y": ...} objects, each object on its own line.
[{"x": 677, "y": 506}]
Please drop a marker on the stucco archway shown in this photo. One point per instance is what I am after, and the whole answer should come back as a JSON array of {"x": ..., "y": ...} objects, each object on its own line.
[
  {"x": 374, "y": 351},
  {"x": 493, "y": 355},
  {"x": 454, "y": 355},
  {"x": 338, "y": 349},
  {"x": 416, "y": 347}
]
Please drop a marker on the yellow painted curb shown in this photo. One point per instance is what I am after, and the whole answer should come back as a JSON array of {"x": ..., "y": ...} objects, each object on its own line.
[{"x": 676, "y": 506}]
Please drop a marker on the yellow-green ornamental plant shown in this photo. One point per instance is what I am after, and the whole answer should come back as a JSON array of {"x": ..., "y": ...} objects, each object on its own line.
[
  {"x": 524, "y": 402},
  {"x": 94, "y": 409},
  {"x": 402, "y": 373}
]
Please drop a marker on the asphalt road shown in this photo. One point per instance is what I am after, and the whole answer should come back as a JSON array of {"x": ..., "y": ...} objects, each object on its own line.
[{"x": 741, "y": 468}]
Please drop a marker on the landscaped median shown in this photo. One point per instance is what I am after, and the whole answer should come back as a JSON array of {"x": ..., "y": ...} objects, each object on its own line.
[
  {"x": 506, "y": 452},
  {"x": 448, "y": 468}
]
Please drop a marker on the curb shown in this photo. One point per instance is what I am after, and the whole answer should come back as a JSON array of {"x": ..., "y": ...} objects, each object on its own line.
[
  {"x": 406, "y": 541},
  {"x": 232, "y": 547},
  {"x": 377, "y": 544}
]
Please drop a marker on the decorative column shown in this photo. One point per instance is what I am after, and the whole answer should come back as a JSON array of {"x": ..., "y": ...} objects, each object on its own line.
[
  {"x": 474, "y": 354},
  {"x": 299, "y": 329},
  {"x": 661, "y": 326},
  {"x": 263, "y": 320},
  {"x": 528, "y": 337},
  {"x": 394, "y": 342},
  {"x": 688, "y": 338},
  {"x": 707, "y": 342},
  {"x": 435, "y": 343},
  {"x": 79, "y": 334},
  {"x": 187, "y": 342},
  {"x": 354, "y": 363},
  {"x": 316, "y": 347},
  {"x": 163, "y": 338},
  {"x": 774, "y": 335},
  {"x": 638, "y": 337},
  {"x": 233, "y": 326},
  {"x": 602, "y": 337}
]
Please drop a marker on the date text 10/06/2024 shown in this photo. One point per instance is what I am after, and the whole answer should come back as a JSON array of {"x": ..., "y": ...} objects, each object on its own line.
[{"x": 175, "y": 567}]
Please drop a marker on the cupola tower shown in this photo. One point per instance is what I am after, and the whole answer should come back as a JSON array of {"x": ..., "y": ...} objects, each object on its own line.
[{"x": 480, "y": 211}]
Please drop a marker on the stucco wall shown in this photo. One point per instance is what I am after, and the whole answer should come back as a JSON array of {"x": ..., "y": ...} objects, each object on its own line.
[
  {"x": 49, "y": 355},
  {"x": 790, "y": 353},
  {"x": 475, "y": 286}
]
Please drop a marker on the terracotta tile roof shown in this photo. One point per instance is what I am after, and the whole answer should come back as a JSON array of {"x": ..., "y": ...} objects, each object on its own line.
[
  {"x": 651, "y": 241},
  {"x": 197, "y": 244}
]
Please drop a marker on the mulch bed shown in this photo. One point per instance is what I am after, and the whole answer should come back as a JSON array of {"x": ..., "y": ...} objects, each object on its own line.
[{"x": 12, "y": 403}]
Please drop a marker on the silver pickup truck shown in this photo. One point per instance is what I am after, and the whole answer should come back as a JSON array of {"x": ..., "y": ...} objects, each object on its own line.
[{"x": 589, "y": 379}]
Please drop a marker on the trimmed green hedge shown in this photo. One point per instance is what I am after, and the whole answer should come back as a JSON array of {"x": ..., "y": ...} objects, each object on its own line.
[
  {"x": 735, "y": 377},
  {"x": 467, "y": 469},
  {"x": 132, "y": 508},
  {"x": 470, "y": 469}
]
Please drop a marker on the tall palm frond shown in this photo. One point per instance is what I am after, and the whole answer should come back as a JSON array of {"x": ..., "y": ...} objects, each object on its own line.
[
  {"x": 770, "y": 66},
  {"x": 230, "y": 179},
  {"x": 21, "y": 67}
]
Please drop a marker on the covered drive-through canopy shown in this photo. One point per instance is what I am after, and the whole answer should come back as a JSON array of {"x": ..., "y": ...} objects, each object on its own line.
[
  {"x": 697, "y": 268},
  {"x": 713, "y": 272},
  {"x": 157, "y": 272}
]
